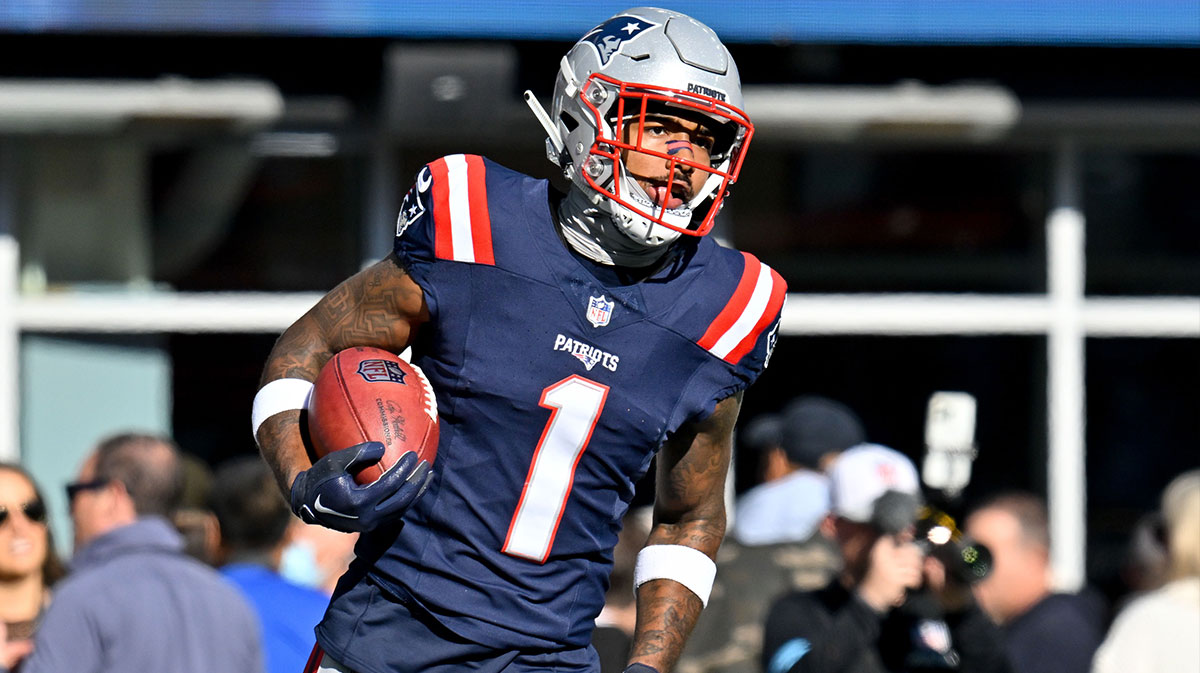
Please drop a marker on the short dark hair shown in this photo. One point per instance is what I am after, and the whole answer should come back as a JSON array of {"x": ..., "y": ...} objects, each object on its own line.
[
  {"x": 1028, "y": 509},
  {"x": 149, "y": 467},
  {"x": 248, "y": 505}
]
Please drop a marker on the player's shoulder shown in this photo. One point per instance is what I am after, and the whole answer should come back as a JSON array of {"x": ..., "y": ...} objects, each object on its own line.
[
  {"x": 468, "y": 165},
  {"x": 473, "y": 175},
  {"x": 739, "y": 303},
  {"x": 460, "y": 204}
]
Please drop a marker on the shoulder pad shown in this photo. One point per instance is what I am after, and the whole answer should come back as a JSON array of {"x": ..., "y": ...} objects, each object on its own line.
[
  {"x": 453, "y": 191},
  {"x": 753, "y": 307}
]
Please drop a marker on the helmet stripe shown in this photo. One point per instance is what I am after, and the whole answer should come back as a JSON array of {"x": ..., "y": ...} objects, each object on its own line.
[
  {"x": 754, "y": 304},
  {"x": 463, "y": 228}
]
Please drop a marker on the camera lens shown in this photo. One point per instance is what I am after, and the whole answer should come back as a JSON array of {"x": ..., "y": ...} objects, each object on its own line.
[{"x": 976, "y": 561}]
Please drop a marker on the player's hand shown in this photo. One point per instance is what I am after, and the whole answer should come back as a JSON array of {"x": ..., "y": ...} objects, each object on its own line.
[
  {"x": 895, "y": 567},
  {"x": 327, "y": 494}
]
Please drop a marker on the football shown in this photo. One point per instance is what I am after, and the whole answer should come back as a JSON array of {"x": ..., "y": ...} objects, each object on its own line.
[{"x": 369, "y": 394}]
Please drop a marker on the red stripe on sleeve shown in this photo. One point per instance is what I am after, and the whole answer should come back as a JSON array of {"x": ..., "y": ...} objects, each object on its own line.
[
  {"x": 314, "y": 659},
  {"x": 481, "y": 223},
  {"x": 443, "y": 243},
  {"x": 774, "y": 304},
  {"x": 737, "y": 304}
]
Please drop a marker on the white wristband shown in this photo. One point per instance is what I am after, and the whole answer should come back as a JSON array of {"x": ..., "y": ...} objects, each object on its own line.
[
  {"x": 687, "y": 565},
  {"x": 279, "y": 395}
]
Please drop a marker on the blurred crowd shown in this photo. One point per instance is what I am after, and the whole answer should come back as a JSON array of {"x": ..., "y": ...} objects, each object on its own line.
[
  {"x": 838, "y": 559},
  {"x": 175, "y": 567}
]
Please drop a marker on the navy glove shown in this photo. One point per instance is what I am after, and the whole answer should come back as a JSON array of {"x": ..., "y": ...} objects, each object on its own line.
[
  {"x": 327, "y": 494},
  {"x": 640, "y": 668}
]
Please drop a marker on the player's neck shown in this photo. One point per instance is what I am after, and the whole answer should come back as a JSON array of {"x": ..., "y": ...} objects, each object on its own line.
[{"x": 592, "y": 234}]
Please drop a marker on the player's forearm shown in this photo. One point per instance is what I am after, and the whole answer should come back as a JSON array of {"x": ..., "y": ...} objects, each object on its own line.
[
  {"x": 379, "y": 306},
  {"x": 667, "y": 609},
  {"x": 666, "y": 613},
  {"x": 298, "y": 354},
  {"x": 282, "y": 448},
  {"x": 689, "y": 513}
]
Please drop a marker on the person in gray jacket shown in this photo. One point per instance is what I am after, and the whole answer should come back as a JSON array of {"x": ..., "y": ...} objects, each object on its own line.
[{"x": 134, "y": 601}]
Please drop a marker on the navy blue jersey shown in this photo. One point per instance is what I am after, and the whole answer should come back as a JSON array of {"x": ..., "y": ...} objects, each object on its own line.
[{"x": 554, "y": 391}]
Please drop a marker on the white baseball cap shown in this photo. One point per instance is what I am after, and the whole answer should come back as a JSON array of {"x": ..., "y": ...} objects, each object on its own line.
[{"x": 863, "y": 473}]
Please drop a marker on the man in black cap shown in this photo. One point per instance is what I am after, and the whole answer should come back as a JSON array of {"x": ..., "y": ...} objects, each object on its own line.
[{"x": 795, "y": 446}]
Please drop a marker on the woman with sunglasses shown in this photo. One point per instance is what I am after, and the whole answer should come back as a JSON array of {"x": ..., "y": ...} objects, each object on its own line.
[{"x": 28, "y": 563}]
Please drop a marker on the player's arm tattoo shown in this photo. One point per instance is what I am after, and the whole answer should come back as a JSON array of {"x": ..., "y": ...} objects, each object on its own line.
[
  {"x": 380, "y": 306},
  {"x": 689, "y": 510}
]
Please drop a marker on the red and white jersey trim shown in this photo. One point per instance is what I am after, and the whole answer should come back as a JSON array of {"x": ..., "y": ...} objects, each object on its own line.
[
  {"x": 752, "y": 308},
  {"x": 463, "y": 227}
]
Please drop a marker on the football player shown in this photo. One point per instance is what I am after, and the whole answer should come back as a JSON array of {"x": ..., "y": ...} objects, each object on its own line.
[{"x": 570, "y": 339}]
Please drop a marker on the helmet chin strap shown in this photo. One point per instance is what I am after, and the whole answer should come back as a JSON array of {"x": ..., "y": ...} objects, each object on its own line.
[{"x": 592, "y": 233}]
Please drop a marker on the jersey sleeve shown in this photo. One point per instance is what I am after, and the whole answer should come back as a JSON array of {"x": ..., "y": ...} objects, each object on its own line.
[
  {"x": 444, "y": 218},
  {"x": 744, "y": 332}
]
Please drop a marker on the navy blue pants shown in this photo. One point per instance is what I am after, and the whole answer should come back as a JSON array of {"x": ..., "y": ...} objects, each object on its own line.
[{"x": 367, "y": 630}]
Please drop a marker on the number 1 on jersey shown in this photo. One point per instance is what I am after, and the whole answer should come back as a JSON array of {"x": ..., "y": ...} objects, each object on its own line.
[{"x": 575, "y": 404}]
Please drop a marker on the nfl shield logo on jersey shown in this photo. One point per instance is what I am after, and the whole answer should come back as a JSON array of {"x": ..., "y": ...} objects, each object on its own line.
[{"x": 599, "y": 311}]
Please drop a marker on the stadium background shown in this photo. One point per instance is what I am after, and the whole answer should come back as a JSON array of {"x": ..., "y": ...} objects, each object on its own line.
[{"x": 992, "y": 197}]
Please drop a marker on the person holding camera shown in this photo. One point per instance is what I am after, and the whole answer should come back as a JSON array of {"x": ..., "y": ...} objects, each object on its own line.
[{"x": 895, "y": 607}]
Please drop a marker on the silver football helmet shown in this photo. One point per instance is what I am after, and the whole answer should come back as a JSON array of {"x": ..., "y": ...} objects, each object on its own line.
[{"x": 639, "y": 62}]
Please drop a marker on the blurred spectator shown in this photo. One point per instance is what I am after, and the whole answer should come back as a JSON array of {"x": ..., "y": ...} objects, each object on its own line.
[
  {"x": 253, "y": 518},
  {"x": 192, "y": 518},
  {"x": 29, "y": 566},
  {"x": 316, "y": 556},
  {"x": 890, "y": 608},
  {"x": 1044, "y": 632},
  {"x": 1146, "y": 564},
  {"x": 613, "y": 635},
  {"x": 795, "y": 446},
  {"x": 134, "y": 601},
  {"x": 774, "y": 546},
  {"x": 1161, "y": 630}
]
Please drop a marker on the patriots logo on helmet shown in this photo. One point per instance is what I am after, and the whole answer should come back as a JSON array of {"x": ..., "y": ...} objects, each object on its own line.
[
  {"x": 610, "y": 36},
  {"x": 379, "y": 371}
]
